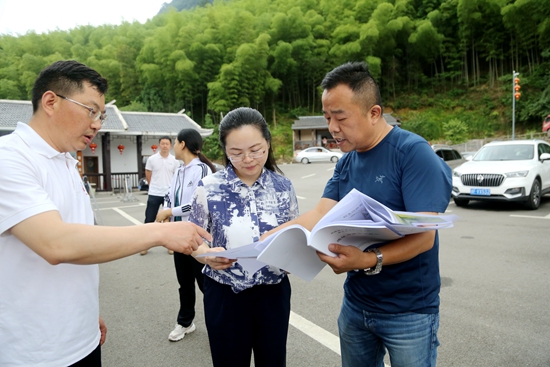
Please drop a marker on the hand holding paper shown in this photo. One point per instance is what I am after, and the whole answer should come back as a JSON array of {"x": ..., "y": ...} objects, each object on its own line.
[
  {"x": 357, "y": 221},
  {"x": 347, "y": 259},
  {"x": 214, "y": 261}
]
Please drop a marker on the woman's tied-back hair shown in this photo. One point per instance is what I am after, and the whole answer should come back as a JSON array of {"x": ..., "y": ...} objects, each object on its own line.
[
  {"x": 357, "y": 77},
  {"x": 240, "y": 117},
  {"x": 193, "y": 141},
  {"x": 66, "y": 78}
]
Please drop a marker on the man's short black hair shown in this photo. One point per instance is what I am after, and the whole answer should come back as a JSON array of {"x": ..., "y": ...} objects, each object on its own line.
[
  {"x": 166, "y": 137},
  {"x": 357, "y": 77},
  {"x": 66, "y": 77}
]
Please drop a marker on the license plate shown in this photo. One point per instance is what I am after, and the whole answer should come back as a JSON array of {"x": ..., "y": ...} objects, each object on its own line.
[{"x": 480, "y": 192}]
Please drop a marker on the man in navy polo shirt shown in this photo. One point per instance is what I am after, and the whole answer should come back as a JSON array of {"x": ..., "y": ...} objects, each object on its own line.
[{"x": 391, "y": 298}]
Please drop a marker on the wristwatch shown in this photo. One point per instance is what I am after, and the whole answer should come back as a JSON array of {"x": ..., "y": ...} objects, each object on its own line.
[{"x": 379, "y": 258}]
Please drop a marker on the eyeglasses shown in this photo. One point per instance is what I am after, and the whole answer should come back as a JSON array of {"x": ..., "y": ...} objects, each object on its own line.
[
  {"x": 253, "y": 155},
  {"x": 94, "y": 115}
]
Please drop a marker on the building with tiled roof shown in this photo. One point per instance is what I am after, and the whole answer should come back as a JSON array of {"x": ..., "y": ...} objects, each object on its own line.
[
  {"x": 311, "y": 131},
  {"x": 121, "y": 147}
]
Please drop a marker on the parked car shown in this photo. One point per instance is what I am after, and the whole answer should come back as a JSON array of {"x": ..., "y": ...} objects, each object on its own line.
[
  {"x": 317, "y": 154},
  {"x": 515, "y": 170},
  {"x": 451, "y": 156}
]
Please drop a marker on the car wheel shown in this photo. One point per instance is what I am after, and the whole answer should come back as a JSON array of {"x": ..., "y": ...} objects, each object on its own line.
[
  {"x": 461, "y": 202},
  {"x": 334, "y": 159},
  {"x": 533, "y": 202},
  {"x": 305, "y": 161}
]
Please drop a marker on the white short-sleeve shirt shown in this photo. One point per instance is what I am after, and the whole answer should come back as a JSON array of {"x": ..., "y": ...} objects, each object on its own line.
[
  {"x": 48, "y": 313},
  {"x": 162, "y": 170}
]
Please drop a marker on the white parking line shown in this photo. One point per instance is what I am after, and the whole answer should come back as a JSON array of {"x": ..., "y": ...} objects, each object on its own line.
[
  {"x": 315, "y": 332},
  {"x": 309, "y": 175},
  {"x": 125, "y": 206},
  {"x": 530, "y": 216},
  {"x": 300, "y": 197},
  {"x": 127, "y": 216},
  {"x": 108, "y": 202}
]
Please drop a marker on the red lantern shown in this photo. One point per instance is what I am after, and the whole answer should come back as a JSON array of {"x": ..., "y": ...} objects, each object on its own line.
[
  {"x": 154, "y": 147},
  {"x": 92, "y": 147},
  {"x": 517, "y": 87},
  {"x": 120, "y": 148}
]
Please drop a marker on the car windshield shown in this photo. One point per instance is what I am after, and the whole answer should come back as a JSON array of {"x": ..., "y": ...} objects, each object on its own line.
[{"x": 513, "y": 152}]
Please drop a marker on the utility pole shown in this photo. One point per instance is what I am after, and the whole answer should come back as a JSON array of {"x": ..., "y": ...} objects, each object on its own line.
[{"x": 515, "y": 97}]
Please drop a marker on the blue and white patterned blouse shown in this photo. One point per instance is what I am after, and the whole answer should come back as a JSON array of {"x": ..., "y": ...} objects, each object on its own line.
[{"x": 236, "y": 214}]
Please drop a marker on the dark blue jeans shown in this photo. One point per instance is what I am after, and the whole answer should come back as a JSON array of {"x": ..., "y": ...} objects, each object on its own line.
[
  {"x": 410, "y": 338},
  {"x": 255, "y": 319},
  {"x": 153, "y": 205}
]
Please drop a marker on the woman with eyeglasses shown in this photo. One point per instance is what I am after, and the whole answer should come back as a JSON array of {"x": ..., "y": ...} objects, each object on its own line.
[
  {"x": 187, "y": 148},
  {"x": 244, "y": 312}
]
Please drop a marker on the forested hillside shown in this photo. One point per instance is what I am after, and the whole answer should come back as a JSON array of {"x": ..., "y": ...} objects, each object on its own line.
[{"x": 442, "y": 65}]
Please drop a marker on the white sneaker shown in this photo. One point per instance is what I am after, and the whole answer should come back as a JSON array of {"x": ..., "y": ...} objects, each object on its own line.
[{"x": 179, "y": 332}]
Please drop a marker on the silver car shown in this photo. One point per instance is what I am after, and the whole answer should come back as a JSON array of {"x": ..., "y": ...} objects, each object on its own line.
[
  {"x": 317, "y": 154},
  {"x": 451, "y": 156}
]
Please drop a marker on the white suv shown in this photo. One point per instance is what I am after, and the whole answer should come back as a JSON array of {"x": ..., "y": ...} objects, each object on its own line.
[{"x": 515, "y": 170}]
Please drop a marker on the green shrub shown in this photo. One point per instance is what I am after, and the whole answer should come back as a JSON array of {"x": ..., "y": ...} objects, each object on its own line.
[{"x": 455, "y": 131}]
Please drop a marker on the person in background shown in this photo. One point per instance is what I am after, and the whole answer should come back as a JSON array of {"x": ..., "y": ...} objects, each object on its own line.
[
  {"x": 159, "y": 170},
  {"x": 244, "y": 312},
  {"x": 177, "y": 205},
  {"x": 49, "y": 246},
  {"x": 391, "y": 294}
]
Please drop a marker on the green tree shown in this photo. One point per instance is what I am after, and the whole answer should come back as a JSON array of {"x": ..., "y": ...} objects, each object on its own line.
[
  {"x": 455, "y": 131},
  {"x": 9, "y": 90},
  {"x": 211, "y": 146}
]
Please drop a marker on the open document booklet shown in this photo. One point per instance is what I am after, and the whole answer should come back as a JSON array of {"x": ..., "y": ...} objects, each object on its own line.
[{"x": 356, "y": 220}]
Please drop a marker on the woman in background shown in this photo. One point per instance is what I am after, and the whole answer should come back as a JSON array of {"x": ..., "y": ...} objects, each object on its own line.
[
  {"x": 244, "y": 312},
  {"x": 187, "y": 148}
]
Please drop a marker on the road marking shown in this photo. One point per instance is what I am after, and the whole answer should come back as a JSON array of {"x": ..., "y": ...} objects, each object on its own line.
[
  {"x": 530, "y": 216},
  {"x": 126, "y": 206},
  {"x": 309, "y": 175},
  {"x": 300, "y": 197},
  {"x": 109, "y": 202},
  {"x": 127, "y": 216},
  {"x": 315, "y": 332}
]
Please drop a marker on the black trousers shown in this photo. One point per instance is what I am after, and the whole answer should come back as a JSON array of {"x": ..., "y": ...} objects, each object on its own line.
[
  {"x": 91, "y": 360},
  {"x": 153, "y": 205},
  {"x": 187, "y": 271},
  {"x": 255, "y": 319}
]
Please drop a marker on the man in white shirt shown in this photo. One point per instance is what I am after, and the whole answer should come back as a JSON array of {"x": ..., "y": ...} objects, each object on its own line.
[
  {"x": 49, "y": 247},
  {"x": 159, "y": 170}
]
